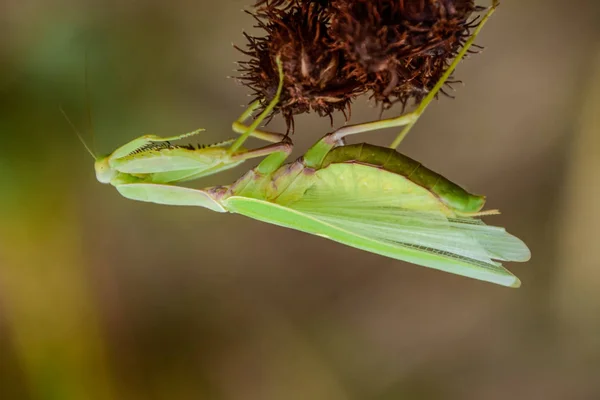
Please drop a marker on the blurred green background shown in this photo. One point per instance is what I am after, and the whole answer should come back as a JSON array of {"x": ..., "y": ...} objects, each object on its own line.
[{"x": 105, "y": 298}]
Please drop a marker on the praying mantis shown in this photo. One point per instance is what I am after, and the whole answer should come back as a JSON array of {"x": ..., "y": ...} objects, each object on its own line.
[{"x": 368, "y": 197}]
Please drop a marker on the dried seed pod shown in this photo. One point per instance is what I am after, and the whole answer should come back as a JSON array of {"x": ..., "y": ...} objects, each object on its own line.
[
  {"x": 314, "y": 78},
  {"x": 399, "y": 48},
  {"x": 335, "y": 50}
]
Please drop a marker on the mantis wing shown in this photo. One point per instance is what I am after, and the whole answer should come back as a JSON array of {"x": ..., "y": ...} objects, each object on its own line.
[
  {"x": 386, "y": 214},
  {"x": 279, "y": 215},
  {"x": 429, "y": 231}
]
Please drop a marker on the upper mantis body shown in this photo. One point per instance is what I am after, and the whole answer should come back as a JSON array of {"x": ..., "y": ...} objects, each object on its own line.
[{"x": 365, "y": 196}]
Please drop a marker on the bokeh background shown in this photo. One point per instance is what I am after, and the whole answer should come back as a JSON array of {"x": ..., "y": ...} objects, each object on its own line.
[{"x": 105, "y": 298}]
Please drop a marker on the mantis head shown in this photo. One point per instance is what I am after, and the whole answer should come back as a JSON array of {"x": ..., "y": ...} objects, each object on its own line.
[{"x": 104, "y": 173}]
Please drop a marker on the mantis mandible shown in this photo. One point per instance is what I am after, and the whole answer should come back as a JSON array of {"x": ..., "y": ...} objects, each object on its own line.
[{"x": 365, "y": 196}]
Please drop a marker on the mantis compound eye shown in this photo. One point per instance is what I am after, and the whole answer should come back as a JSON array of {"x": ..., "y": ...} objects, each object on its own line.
[{"x": 104, "y": 173}]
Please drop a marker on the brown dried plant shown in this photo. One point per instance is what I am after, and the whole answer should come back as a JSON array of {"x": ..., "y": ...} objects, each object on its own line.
[{"x": 335, "y": 50}]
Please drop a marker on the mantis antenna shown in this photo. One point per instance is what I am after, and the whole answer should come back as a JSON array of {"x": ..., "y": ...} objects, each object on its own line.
[
  {"x": 89, "y": 114},
  {"x": 79, "y": 136},
  {"x": 87, "y": 101}
]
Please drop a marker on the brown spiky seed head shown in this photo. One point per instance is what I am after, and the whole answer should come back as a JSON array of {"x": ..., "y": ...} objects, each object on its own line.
[
  {"x": 399, "y": 48},
  {"x": 313, "y": 70}
]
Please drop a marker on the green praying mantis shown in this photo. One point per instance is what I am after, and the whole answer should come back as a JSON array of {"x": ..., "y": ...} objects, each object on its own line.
[{"x": 368, "y": 197}]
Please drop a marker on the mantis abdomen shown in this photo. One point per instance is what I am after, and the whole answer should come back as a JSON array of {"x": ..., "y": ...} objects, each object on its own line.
[{"x": 389, "y": 159}]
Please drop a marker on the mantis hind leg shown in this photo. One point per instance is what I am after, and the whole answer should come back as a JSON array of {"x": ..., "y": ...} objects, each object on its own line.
[
  {"x": 270, "y": 107},
  {"x": 442, "y": 81},
  {"x": 407, "y": 120},
  {"x": 238, "y": 126},
  {"x": 284, "y": 146}
]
